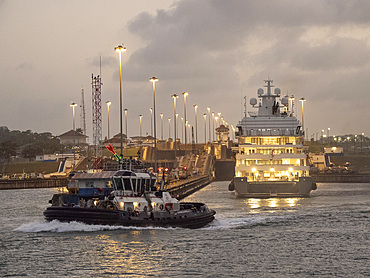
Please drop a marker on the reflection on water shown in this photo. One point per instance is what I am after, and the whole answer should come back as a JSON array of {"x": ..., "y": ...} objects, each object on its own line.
[{"x": 256, "y": 205}]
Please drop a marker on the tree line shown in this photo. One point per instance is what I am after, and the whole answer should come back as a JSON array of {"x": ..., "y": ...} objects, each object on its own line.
[{"x": 27, "y": 144}]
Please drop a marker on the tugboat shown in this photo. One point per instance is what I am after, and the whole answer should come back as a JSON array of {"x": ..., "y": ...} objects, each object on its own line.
[
  {"x": 124, "y": 198},
  {"x": 270, "y": 161}
]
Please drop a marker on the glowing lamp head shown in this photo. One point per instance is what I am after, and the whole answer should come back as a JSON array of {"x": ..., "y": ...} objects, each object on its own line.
[
  {"x": 254, "y": 170},
  {"x": 272, "y": 169},
  {"x": 153, "y": 79},
  {"x": 120, "y": 48},
  {"x": 290, "y": 170}
]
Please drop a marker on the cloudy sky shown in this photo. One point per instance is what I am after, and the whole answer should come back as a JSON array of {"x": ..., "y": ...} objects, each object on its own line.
[{"x": 218, "y": 51}]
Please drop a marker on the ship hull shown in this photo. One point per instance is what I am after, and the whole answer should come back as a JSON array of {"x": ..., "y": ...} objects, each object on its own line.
[
  {"x": 272, "y": 189},
  {"x": 188, "y": 218}
]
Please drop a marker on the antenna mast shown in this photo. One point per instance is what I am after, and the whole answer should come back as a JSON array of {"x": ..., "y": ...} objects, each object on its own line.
[{"x": 97, "y": 118}]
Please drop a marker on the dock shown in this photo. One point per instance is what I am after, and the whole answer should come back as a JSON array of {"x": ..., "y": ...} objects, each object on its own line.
[{"x": 32, "y": 183}]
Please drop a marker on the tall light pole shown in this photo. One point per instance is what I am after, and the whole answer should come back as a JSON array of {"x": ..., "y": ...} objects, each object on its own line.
[
  {"x": 209, "y": 122},
  {"x": 185, "y": 94},
  {"x": 174, "y": 96},
  {"x": 196, "y": 123},
  {"x": 126, "y": 129},
  {"x": 151, "y": 121},
  {"x": 182, "y": 129},
  {"x": 120, "y": 49},
  {"x": 302, "y": 100},
  {"x": 73, "y": 105},
  {"x": 161, "y": 126},
  {"x": 213, "y": 126},
  {"x": 108, "y": 105},
  {"x": 153, "y": 80},
  {"x": 205, "y": 128},
  {"x": 177, "y": 124},
  {"x": 291, "y": 99},
  {"x": 141, "y": 130},
  {"x": 219, "y": 117},
  {"x": 169, "y": 129}
]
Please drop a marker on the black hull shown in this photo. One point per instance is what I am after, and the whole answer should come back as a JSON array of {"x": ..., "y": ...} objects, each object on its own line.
[{"x": 95, "y": 216}]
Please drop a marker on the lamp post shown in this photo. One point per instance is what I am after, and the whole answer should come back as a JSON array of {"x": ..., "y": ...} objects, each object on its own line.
[
  {"x": 362, "y": 138},
  {"x": 291, "y": 99},
  {"x": 141, "y": 131},
  {"x": 153, "y": 80},
  {"x": 161, "y": 126},
  {"x": 108, "y": 105},
  {"x": 169, "y": 129},
  {"x": 182, "y": 129},
  {"x": 196, "y": 123},
  {"x": 126, "y": 128},
  {"x": 205, "y": 128},
  {"x": 302, "y": 100},
  {"x": 209, "y": 122},
  {"x": 322, "y": 136},
  {"x": 219, "y": 117},
  {"x": 73, "y": 105},
  {"x": 328, "y": 135},
  {"x": 213, "y": 126},
  {"x": 185, "y": 94},
  {"x": 151, "y": 121},
  {"x": 120, "y": 49},
  {"x": 174, "y": 96}
]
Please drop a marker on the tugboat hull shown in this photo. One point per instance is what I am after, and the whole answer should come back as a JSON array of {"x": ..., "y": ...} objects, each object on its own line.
[{"x": 187, "y": 218}]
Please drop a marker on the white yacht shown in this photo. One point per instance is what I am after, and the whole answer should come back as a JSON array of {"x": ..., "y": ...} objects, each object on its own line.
[{"x": 270, "y": 161}]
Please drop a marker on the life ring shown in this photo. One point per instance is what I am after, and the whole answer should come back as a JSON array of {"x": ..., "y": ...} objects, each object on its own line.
[
  {"x": 169, "y": 206},
  {"x": 161, "y": 207}
]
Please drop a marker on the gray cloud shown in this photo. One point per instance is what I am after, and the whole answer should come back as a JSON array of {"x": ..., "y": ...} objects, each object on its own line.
[{"x": 210, "y": 44}]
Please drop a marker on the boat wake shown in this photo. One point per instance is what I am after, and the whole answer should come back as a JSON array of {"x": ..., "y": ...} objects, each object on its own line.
[
  {"x": 246, "y": 222},
  {"x": 56, "y": 226}
]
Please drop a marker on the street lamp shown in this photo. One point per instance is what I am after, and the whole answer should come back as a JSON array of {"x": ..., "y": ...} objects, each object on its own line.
[
  {"x": 182, "y": 129},
  {"x": 209, "y": 122},
  {"x": 126, "y": 129},
  {"x": 291, "y": 99},
  {"x": 153, "y": 80},
  {"x": 73, "y": 105},
  {"x": 161, "y": 126},
  {"x": 174, "y": 96},
  {"x": 196, "y": 123},
  {"x": 120, "y": 49},
  {"x": 185, "y": 94},
  {"x": 108, "y": 105},
  {"x": 140, "y": 117},
  {"x": 151, "y": 121},
  {"x": 302, "y": 100},
  {"x": 219, "y": 117},
  {"x": 169, "y": 129},
  {"x": 205, "y": 127},
  {"x": 213, "y": 127}
]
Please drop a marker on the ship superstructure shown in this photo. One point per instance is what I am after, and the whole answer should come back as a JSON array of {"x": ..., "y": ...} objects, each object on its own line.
[{"x": 269, "y": 158}]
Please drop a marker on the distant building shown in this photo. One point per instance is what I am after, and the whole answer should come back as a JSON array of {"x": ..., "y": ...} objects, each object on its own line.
[
  {"x": 115, "y": 141},
  {"x": 143, "y": 140},
  {"x": 73, "y": 138}
]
